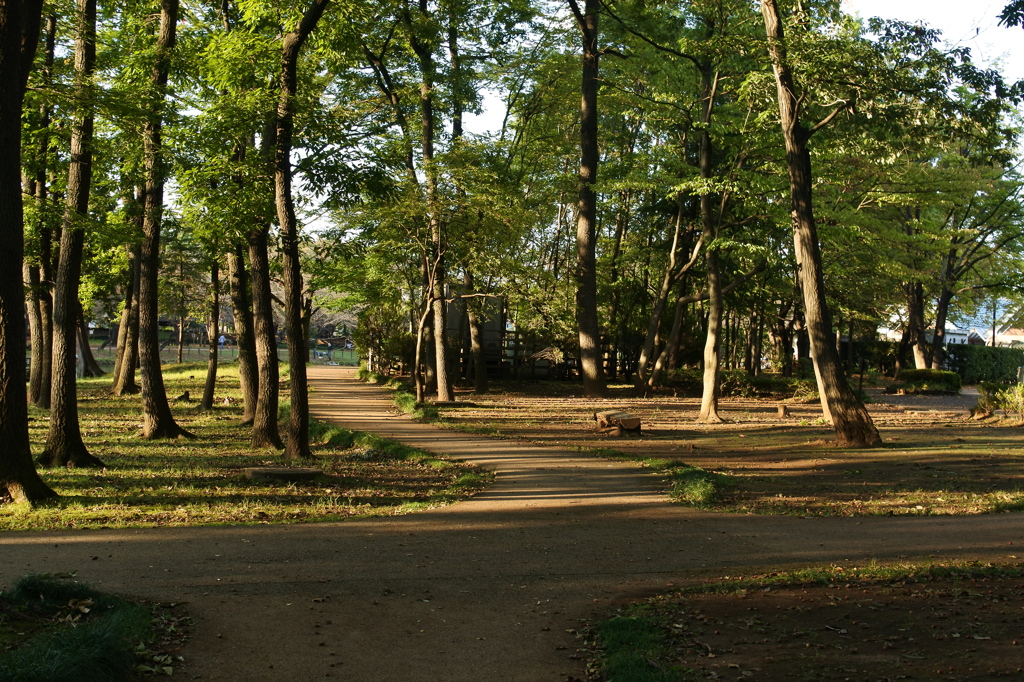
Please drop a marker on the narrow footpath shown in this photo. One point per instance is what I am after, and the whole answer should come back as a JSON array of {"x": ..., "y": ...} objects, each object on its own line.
[{"x": 486, "y": 589}]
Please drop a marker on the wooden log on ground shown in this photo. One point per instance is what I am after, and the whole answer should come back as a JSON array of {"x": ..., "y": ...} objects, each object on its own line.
[
  {"x": 616, "y": 422},
  {"x": 783, "y": 411}
]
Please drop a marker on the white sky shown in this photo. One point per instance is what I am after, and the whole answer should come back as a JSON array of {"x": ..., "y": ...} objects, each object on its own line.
[{"x": 969, "y": 24}]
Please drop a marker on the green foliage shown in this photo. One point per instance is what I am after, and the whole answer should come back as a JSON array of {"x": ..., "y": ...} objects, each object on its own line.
[
  {"x": 97, "y": 642},
  {"x": 984, "y": 363},
  {"x": 992, "y": 396},
  {"x": 927, "y": 380}
]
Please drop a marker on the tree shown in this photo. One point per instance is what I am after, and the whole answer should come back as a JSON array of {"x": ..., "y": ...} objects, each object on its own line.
[
  {"x": 19, "y": 32},
  {"x": 586, "y": 217},
  {"x": 64, "y": 444},
  {"x": 298, "y": 427},
  {"x": 853, "y": 425},
  {"x": 158, "y": 422}
]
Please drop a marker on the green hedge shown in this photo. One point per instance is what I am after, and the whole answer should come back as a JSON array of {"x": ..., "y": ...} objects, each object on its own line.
[
  {"x": 928, "y": 380},
  {"x": 984, "y": 363}
]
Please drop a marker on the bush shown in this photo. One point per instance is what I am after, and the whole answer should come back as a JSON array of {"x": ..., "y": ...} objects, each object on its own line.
[
  {"x": 927, "y": 380},
  {"x": 994, "y": 396},
  {"x": 984, "y": 363}
]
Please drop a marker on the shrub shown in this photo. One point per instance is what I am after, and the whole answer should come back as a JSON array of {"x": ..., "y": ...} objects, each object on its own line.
[
  {"x": 926, "y": 380},
  {"x": 984, "y": 363}
]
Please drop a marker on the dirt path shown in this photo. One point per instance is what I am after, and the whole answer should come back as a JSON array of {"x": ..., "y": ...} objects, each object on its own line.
[{"x": 483, "y": 590}]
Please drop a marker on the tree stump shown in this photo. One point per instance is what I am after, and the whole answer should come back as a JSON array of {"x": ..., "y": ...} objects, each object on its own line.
[
  {"x": 783, "y": 411},
  {"x": 616, "y": 423}
]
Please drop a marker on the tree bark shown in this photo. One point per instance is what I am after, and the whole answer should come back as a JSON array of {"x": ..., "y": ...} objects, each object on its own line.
[
  {"x": 713, "y": 343},
  {"x": 476, "y": 344},
  {"x": 64, "y": 444},
  {"x": 157, "y": 420},
  {"x": 213, "y": 332},
  {"x": 939, "y": 340},
  {"x": 35, "y": 330},
  {"x": 40, "y": 295},
  {"x": 92, "y": 368},
  {"x": 128, "y": 345},
  {"x": 19, "y": 31},
  {"x": 298, "y": 426},
  {"x": 586, "y": 221},
  {"x": 915, "y": 322},
  {"x": 265, "y": 432},
  {"x": 853, "y": 424},
  {"x": 241, "y": 302}
]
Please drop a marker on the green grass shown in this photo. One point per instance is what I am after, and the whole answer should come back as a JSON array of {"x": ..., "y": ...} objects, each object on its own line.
[
  {"x": 202, "y": 482},
  {"x": 71, "y": 633}
]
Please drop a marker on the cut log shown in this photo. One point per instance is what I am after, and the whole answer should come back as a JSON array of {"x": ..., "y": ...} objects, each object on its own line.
[
  {"x": 783, "y": 411},
  {"x": 618, "y": 421}
]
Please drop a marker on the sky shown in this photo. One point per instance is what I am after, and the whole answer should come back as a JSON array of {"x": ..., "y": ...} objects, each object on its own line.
[{"x": 970, "y": 24}]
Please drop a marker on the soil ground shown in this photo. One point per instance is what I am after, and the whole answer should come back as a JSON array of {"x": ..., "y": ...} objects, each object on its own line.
[{"x": 493, "y": 588}]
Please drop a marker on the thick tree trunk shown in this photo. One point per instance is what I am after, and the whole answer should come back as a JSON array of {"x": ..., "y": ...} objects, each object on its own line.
[
  {"x": 213, "y": 332},
  {"x": 265, "y": 432},
  {"x": 128, "y": 345},
  {"x": 64, "y": 444},
  {"x": 586, "y": 222},
  {"x": 19, "y": 31},
  {"x": 241, "y": 303},
  {"x": 298, "y": 426},
  {"x": 853, "y": 424},
  {"x": 157, "y": 420}
]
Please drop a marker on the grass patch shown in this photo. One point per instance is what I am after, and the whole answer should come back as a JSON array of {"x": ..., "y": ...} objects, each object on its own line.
[
  {"x": 694, "y": 486},
  {"x": 201, "y": 481},
  {"x": 899, "y": 621},
  {"x": 55, "y": 630}
]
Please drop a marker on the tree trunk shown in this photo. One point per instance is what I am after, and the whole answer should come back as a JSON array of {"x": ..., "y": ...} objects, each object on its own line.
[
  {"x": 181, "y": 339},
  {"x": 853, "y": 424},
  {"x": 157, "y": 420},
  {"x": 265, "y": 433},
  {"x": 298, "y": 427},
  {"x": 19, "y": 31},
  {"x": 713, "y": 343},
  {"x": 128, "y": 345},
  {"x": 241, "y": 302},
  {"x": 213, "y": 331},
  {"x": 476, "y": 344},
  {"x": 939, "y": 340},
  {"x": 35, "y": 328},
  {"x": 40, "y": 295},
  {"x": 586, "y": 220},
  {"x": 668, "y": 279},
  {"x": 915, "y": 321},
  {"x": 64, "y": 445},
  {"x": 92, "y": 368}
]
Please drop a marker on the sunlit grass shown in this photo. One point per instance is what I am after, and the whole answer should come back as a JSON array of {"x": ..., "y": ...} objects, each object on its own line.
[{"x": 202, "y": 481}]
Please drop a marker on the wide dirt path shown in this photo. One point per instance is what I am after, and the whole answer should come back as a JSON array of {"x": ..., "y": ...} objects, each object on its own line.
[{"x": 483, "y": 590}]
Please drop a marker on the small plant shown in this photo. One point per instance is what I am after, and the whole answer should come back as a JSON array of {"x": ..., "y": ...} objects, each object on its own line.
[{"x": 693, "y": 485}]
